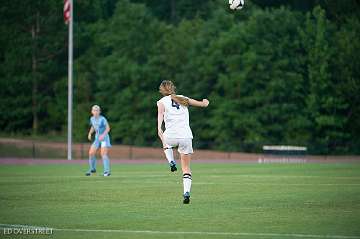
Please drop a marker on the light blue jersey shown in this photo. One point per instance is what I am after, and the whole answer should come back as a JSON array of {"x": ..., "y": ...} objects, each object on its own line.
[{"x": 99, "y": 124}]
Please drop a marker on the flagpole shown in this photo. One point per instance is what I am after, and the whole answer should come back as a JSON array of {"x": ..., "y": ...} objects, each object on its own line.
[{"x": 70, "y": 83}]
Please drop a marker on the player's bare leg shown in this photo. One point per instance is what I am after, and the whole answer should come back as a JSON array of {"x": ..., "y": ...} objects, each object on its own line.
[{"x": 185, "y": 165}]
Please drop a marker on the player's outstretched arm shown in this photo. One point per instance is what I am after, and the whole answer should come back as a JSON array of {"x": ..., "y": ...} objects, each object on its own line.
[{"x": 197, "y": 103}]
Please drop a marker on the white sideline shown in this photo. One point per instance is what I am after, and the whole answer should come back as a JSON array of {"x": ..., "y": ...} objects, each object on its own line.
[{"x": 293, "y": 235}]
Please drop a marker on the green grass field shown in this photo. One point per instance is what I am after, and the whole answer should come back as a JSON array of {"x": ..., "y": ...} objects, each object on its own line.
[{"x": 145, "y": 201}]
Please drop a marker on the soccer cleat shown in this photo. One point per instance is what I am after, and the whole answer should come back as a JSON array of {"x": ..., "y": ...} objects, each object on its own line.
[
  {"x": 186, "y": 198},
  {"x": 90, "y": 172},
  {"x": 107, "y": 174},
  {"x": 173, "y": 167}
]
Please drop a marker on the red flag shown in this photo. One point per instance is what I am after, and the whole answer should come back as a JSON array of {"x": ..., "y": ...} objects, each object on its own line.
[{"x": 66, "y": 11}]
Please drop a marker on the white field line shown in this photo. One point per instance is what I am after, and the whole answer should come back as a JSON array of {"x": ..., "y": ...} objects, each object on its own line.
[{"x": 271, "y": 235}]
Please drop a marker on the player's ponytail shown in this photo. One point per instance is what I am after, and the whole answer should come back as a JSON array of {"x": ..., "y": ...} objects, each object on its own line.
[
  {"x": 180, "y": 100},
  {"x": 168, "y": 88}
]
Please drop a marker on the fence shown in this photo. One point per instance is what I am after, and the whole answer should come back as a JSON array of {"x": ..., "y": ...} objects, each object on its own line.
[
  {"x": 15, "y": 148},
  {"x": 38, "y": 149}
]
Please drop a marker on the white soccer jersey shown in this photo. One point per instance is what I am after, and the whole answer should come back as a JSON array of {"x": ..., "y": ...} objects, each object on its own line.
[{"x": 176, "y": 118}]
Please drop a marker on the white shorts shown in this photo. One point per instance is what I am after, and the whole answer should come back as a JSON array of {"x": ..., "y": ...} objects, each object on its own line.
[
  {"x": 184, "y": 145},
  {"x": 103, "y": 144}
]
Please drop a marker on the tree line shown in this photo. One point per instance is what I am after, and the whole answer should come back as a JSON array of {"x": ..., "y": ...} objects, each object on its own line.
[{"x": 276, "y": 72}]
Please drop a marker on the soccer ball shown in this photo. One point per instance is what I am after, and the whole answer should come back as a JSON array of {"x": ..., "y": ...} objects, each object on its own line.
[{"x": 236, "y": 4}]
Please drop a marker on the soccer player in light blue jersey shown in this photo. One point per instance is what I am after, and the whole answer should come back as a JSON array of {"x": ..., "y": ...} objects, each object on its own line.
[{"x": 101, "y": 127}]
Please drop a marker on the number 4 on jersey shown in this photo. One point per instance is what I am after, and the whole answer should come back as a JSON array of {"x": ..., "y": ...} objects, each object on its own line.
[{"x": 175, "y": 104}]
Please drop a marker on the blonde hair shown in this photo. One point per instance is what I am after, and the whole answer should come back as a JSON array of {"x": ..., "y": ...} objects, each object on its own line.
[
  {"x": 168, "y": 88},
  {"x": 96, "y": 107}
]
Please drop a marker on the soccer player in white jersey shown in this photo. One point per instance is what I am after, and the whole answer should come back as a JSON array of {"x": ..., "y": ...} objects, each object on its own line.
[
  {"x": 173, "y": 110},
  {"x": 101, "y": 127}
]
